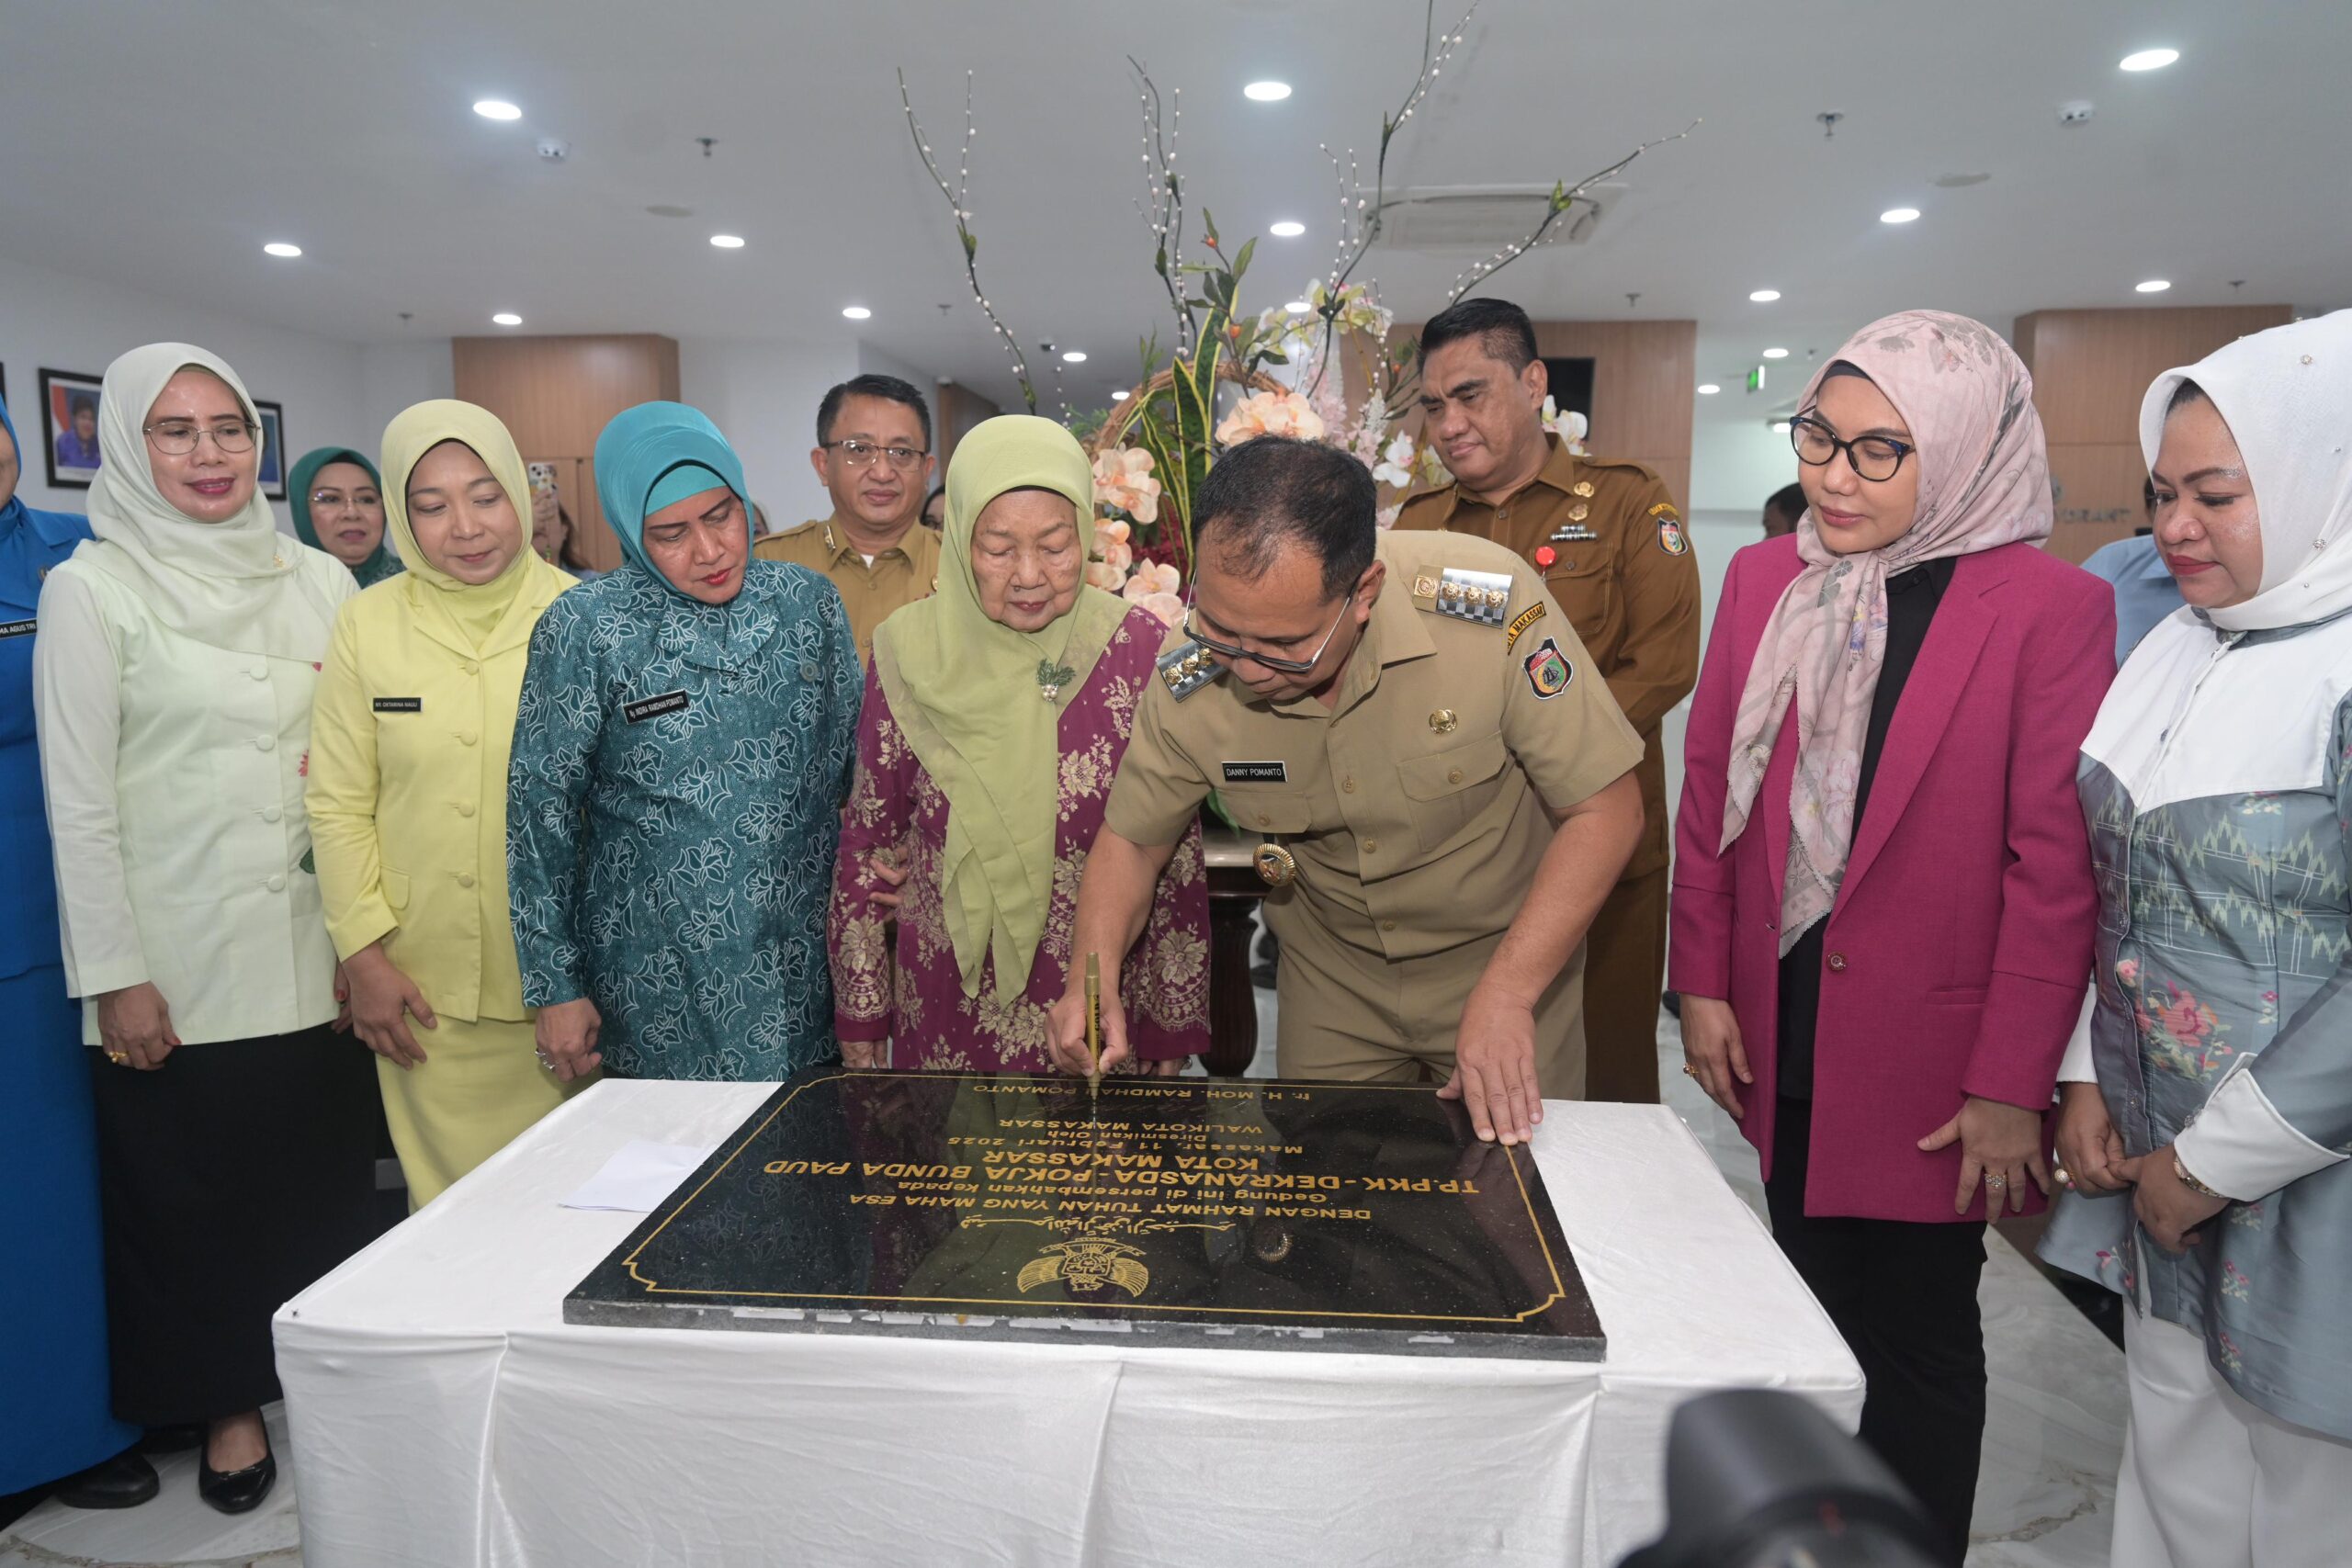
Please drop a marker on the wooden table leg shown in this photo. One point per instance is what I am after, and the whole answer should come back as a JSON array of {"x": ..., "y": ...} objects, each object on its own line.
[{"x": 1233, "y": 1007}]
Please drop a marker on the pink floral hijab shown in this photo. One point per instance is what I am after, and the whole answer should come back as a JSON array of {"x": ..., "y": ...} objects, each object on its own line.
[{"x": 1984, "y": 480}]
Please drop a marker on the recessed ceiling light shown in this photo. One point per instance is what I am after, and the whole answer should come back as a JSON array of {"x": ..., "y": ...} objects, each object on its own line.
[
  {"x": 728, "y": 242},
  {"x": 1780, "y": 427},
  {"x": 1287, "y": 229},
  {"x": 2154, "y": 285},
  {"x": 1298, "y": 307},
  {"x": 506, "y": 318},
  {"x": 1765, "y": 296},
  {"x": 1074, "y": 356},
  {"x": 1267, "y": 92},
  {"x": 280, "y": 248},
  {"x": 2150, "y": 58},
  {"x": 1776, "y": 354},
  {"x": 1119, "y": 397},
  {"x": 497, "y": 108},
  {"x": 1899, "y": 215},
  {"x": 1708, "y": 388},
  {"x": 856, "y": 312}
]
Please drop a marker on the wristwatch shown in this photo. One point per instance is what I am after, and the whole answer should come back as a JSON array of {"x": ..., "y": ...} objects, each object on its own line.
[{"x": 2192, "y": 1183}]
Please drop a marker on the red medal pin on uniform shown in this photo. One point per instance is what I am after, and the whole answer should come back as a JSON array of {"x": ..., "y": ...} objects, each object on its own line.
[{"x": 1544, "y": 555}]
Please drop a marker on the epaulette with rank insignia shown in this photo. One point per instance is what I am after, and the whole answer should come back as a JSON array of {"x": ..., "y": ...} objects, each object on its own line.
[
  {"x": 1483, "y": 597},
  {"x": 1186, "y": 668}
]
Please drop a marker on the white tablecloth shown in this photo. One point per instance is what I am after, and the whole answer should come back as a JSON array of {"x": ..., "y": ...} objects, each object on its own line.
[{"x": 443, "y": 1414}]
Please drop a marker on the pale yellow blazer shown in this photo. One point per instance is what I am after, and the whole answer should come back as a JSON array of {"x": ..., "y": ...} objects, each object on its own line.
[{"x": 409, "y": 746}]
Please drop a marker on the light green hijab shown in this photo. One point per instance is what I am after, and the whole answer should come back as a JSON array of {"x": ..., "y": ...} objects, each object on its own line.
[{"x": 970, "y": 693}]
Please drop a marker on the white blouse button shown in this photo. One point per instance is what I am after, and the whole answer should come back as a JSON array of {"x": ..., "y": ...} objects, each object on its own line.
[
  {"x": 277, "y": 884},
  {"x": 271, "y": 813},
  {"x": 259, "y": 672},
  {"x": 264, "y": 742}
]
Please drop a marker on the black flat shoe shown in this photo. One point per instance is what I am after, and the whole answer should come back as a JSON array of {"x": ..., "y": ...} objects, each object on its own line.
[
  {"x": 237, "y": 1491},
  {"x": 124, "y": 1481}
]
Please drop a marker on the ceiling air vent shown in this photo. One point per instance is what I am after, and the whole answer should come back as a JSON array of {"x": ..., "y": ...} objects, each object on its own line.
[{"x": 1485, "y": 218}]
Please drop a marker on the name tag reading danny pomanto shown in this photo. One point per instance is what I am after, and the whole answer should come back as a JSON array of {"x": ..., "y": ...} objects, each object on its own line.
[
  {"x": 653, "y": 708},
  {"x": 1243, "y": 1215}
]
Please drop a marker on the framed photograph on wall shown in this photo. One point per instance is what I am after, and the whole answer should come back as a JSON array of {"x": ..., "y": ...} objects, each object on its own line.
[
  {"x": 273, "y": 448},
  {"x": 69, "y": 428}
]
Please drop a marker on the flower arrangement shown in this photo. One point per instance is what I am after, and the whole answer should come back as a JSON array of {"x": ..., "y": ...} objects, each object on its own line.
[{"x": 1154, "y": 448}]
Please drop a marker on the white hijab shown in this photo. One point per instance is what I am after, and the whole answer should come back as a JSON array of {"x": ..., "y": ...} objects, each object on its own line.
[
  {"x": 2287, "y": 397},
  {"x": 235, "y": 584}
]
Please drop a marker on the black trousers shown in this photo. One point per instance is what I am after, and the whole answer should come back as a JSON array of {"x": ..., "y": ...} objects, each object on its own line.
[{"x": 1904, "y": 1296}]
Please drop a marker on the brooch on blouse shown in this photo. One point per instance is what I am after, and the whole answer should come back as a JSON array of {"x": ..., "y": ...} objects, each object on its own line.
[{"x": 1052, "y": 677}]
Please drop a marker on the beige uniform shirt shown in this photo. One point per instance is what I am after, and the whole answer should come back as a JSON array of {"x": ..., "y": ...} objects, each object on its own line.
[
  {"x": 1415, "y": 804},
  {"x": 1615, "y": 555},
  {"x": 899, "y": 575}
]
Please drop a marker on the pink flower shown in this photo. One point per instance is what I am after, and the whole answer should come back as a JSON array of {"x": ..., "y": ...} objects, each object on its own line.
[
  {"x": 1151, "y": 576},
  {"x": 1109, "y": 531},
  {"x": 1118, "y": 557},
  {"x": 2184, "y": 1018},
  {"x": 1123, "y": 479},
  {"x": 1167, "y": 606},
  {"x": 2127, "y": 972},
  {"x": 1104, "y": 575},
  {"x": 1270, "y": 414}
]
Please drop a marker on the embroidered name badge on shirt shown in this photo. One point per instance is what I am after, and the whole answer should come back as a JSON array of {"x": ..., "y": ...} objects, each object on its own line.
[
  {"x": 399, "y": 704},
  {"x": 1257, "y": 772},
  {"x": 654, "y": 708},
  {"x": 1548, "y": 670},
  {"x": 1520, "y": 624},
  {"x": 17, "y": 629}
]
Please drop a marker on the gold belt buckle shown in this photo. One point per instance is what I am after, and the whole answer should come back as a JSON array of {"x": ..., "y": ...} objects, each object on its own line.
[{"x": 1277, "y": 866}]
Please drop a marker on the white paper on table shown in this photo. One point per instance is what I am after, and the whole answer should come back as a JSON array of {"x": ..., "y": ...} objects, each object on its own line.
[{"x": 638, "y": 1177}]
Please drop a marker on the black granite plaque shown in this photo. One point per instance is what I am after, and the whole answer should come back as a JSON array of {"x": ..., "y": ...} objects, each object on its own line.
[{"x": 1176, "y": 1212}]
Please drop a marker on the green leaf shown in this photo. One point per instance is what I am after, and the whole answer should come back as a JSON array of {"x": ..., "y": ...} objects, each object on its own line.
[
  {"x": 1209, "y": 225},
  {"x": 971, "y": 243},
  {"x": 1242, "y": 262},
  {"x": 1274, "y": 356},
  {"x": 1159, "y": 262}
]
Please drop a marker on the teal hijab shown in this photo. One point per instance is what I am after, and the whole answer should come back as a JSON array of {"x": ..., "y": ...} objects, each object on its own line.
[
  {"x": 379, "y": 565},
  {"x": 654, "y": 454}
]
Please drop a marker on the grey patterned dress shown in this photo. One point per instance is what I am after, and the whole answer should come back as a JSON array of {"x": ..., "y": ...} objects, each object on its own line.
[
  {"x": 674, "y": 806},
  {"x": 2218, "y": 785}
]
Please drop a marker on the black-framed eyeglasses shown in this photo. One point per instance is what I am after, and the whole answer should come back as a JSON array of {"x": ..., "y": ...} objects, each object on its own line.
[
  {"x": 1874, "y": 458},
  {"x": 861, "y": 453},
  {"x": 179, "y": 437},
  {"x": 1281, "y": 666}
]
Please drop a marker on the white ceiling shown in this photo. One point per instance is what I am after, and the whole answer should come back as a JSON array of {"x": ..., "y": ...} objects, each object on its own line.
[{"x": 159, "y": 145}]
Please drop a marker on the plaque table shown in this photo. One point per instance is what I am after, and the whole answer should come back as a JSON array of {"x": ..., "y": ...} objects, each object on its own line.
[{"x": 443, "y": 1413}]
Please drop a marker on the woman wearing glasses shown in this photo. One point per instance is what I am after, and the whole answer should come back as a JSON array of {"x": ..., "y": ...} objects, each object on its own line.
[
  {"x": 174, "y": 677},
  {"x": 995, "y": 717},
  {"x": 1883, "y": 899},
  {"x": 338, "y": 506}
]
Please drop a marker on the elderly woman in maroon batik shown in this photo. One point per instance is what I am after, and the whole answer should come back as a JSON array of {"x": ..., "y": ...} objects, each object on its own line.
[{"x": 995, "y": 717}]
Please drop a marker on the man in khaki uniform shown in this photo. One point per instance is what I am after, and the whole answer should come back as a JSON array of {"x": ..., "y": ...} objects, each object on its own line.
[
  {"x": 1614, "y": 556},
  {"x": 1443, "y": 791},
  {"x": 874, "y": 454}
]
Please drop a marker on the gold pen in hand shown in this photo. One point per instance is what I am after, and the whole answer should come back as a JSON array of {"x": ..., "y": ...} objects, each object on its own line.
[{"x": 1093, "y": 1026}]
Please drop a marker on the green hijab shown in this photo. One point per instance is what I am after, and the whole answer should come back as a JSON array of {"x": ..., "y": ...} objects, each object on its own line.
[
  {"x": 381, "y": 563},
  {"x": 970, "y": 693}
]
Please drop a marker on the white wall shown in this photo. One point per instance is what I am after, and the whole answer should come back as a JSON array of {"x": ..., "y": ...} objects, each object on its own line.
[
  {"x": 763, "y": 396},
  {"x": 67, "y": 323},
  {"x": 1734, "y": 464},
  {"x": 394, "y": 375}
]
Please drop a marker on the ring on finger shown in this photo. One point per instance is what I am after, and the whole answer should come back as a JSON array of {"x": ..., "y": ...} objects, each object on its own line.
[
  {"x": 1689, "y": 1071},
  {"x": 1996, "y": 1182}
]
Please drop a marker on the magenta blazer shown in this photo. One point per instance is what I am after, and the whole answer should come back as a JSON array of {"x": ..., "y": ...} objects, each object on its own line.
[{"x": 1958, "y": 949}]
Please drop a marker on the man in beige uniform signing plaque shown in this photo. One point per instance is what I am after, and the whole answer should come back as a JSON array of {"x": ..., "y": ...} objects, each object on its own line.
[{"x": 1443, "y": 794}]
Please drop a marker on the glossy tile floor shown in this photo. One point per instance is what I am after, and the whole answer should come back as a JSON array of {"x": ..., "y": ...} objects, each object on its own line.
[{"x": 2052, "y": 1440}]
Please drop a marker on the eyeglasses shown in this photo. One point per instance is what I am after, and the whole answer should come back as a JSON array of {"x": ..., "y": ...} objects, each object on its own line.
[
  {"x": 336, "y": 500},
  {"x": 861, "y": 453},
  {"x": 1281, "y": 666},
  {"x": 1874, "y": 458},
  {"x": 179, "y": 437}
]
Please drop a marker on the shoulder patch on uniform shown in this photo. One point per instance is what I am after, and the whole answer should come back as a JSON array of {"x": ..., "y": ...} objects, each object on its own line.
[
  {"x": 1521, "y": 622},
  {"x": 1480, "y": 597},
  {"x": 1186, "y": 668},
  {"x": 1671, "y": 537},
  {"x": 1548, "y": 670}
]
